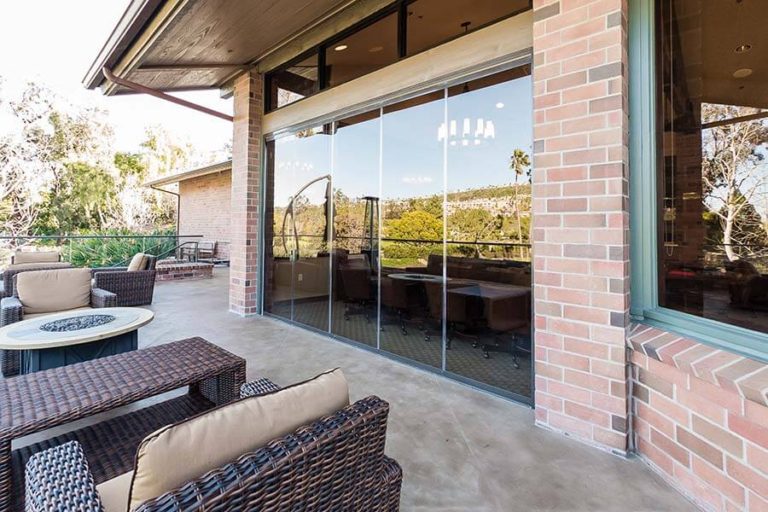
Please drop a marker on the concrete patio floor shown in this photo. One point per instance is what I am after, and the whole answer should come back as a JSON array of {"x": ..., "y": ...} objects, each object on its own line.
[{"x": 461, "y": 449}]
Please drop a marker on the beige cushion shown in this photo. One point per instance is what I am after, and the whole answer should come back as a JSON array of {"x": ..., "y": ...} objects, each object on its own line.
[
  {"x": 48, "y": 291},
  {"x": 114, "y": 493},
  {"x": 36, "y": 257},
  {"x": 179, "y": 453},
  {"x": 138, "y": 262}
]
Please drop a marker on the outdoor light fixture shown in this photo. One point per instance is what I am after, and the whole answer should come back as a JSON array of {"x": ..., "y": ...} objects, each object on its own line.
[
  {"x": 499, "y": 105},
  {"x": 743, "y": 48},
  {"x": 742, "y": 73},
  {"x": 341, "y": 48},
  {"x": 483, "y": 130}
]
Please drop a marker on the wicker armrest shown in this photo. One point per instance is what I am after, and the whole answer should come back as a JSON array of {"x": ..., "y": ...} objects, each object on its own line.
[
  {"x": 258, "y": 387},
  {"x": 94, "y": 271},
  {"x": 10, "y": 310},
  {"x": 103, "y": 299},
  {"x": 59, "y": 479}
]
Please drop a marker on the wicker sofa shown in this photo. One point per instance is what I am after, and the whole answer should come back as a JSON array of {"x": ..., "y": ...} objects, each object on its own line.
[
  {"x": 133, "y": 287},
  {"x": 335, "y": 463},
  {"x": 47, "y": 295}
]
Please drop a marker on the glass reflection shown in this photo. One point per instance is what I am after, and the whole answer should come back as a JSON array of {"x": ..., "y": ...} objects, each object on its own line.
[
  {"x": 713, "y": 176},
  {"x": 300, "y": 263},
  {"x": 429, "y": 255},
  {"x": 356, "y": 228},
  {"x": 488, "y": 205},
  {"x": 293, "y": 83},
  {"x": 412, "y": 225}
]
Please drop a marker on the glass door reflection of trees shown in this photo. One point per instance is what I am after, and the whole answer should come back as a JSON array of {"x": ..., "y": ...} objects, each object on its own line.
[{"x": 421, "y": 246}]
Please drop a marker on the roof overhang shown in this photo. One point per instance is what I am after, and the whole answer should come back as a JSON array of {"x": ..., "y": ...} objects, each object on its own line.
[
  {"x": 177, "y": 45},
  {"x": 188, "y": 175}
]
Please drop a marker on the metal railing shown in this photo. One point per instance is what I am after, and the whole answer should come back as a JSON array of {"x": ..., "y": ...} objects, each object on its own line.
[{"x": 113, "y": 250}]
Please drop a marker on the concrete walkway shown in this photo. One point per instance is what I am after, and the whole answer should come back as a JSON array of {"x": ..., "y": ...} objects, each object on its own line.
[{"x": 461, "y": 449}]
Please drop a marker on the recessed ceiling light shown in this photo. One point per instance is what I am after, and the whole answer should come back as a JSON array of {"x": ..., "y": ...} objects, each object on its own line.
[
  {"x": 376, "y": 49},
  {"x": 341, "y": 48},
  {"x": 743, "y": 48},
  {"x": 742, "y": 73},
  {"x": 499, "y": 105}
]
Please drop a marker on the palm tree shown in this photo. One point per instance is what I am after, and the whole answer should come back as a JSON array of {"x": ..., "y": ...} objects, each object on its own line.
[{"x": 520, "y": 163}]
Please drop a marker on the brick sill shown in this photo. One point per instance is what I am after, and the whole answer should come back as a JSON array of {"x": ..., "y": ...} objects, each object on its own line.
[{"x": 736, "y": 373}]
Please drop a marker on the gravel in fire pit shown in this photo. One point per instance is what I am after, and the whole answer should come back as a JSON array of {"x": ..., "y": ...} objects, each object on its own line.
[{"x": 77, "y": 323}]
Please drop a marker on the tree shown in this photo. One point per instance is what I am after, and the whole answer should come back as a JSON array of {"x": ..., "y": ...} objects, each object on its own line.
[
  {"x": 414, "y": 225},
  {"x": 520, "y": 163},
  {"x": 733, "y": 173}
]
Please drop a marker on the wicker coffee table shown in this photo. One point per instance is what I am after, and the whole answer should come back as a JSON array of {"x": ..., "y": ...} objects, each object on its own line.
[
  {"x": 59, "y": 339},
  {"x": 38, "y": 401}
]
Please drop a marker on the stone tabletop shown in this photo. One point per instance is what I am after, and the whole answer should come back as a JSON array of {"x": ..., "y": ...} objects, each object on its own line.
[{"x": 72, "y": 327}]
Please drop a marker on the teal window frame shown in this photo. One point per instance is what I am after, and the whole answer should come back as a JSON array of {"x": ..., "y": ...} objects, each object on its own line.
[{"x": 643, "y": 203}]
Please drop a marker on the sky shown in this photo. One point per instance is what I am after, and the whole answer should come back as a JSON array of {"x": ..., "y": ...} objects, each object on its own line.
[
  {"x": 407, "y": 147},
  {"x": 54, "y": 42}
]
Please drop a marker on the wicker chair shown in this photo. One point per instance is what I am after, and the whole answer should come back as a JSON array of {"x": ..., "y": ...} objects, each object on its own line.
[
  {"x": 133, "y": 288},
  {"x": 336, "y": 463},
  {"x": 6, "y": 286},
  {"x": 12, "y": 310}
]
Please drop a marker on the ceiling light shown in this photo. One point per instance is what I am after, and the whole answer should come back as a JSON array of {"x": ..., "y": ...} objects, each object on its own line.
[
  {"x": 341, "y": 48},
  {"x": 499, "y": 105},
  {"x": 375, "y": 49},
  {"x": 743, "y": 48},
  {"x": 742, "y": 73}
]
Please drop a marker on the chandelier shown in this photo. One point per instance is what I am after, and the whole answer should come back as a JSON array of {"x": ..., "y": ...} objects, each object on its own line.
[{"x": 472, "y": 133}]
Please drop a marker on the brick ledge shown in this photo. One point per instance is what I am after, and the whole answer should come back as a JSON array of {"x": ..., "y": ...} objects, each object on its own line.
[{"x": 739, "y": 374}]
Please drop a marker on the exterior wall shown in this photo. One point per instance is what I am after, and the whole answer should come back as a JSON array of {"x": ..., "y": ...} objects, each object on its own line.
[
  {"x": 701, "y": 419},
  {"x": 206, "y": 210},
  {"x": 581, "y": 219},
  {"x": 247, "y": 147}
]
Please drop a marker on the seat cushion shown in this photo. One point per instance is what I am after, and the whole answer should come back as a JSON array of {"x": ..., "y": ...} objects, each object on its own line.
[
  {"x": 138, "y": 262},
  {"x": 114, "y": 493},
  {"x": 179, "y": 453},
  {"x": 35, "y": 257},
  {"x": 48, "y": 291}
]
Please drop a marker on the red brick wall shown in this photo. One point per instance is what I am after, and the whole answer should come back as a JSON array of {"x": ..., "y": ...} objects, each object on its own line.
[
  {"x": 581, "y": 219},
  {"x": 246, "y": 171},
  {"x": 205, "y": 209},
  {"x": 701, "y": 419}
]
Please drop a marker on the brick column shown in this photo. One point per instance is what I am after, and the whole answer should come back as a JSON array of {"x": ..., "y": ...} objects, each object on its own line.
[
  {"x": 581, "y": 219},
  {"x": 246, "y": 173}
]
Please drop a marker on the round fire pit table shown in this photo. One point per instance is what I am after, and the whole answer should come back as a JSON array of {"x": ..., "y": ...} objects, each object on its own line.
[{"x": 60, "y": 339}]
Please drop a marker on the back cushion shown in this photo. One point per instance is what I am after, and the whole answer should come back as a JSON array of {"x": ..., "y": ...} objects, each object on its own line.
[
  {"x": 179, "y": 453},
  {"x": 138, "y": 262},
  {"x": 48, "y": 291},
  {"x": 35, "y": 257}
]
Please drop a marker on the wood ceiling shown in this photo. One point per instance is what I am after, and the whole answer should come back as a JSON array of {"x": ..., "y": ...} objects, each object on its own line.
[{"x": 203, "y": 43}]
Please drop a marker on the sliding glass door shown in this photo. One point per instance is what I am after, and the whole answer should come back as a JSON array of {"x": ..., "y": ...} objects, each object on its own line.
[{"x": 407, "y": 229}]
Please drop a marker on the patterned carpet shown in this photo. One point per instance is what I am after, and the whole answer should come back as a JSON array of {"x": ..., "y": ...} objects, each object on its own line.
[{"x": 462, "y": 358}]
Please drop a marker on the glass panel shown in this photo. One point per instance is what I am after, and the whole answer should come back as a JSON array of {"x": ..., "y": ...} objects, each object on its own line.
[
  {"x": 412, "y": 225},
  {"x": 365, "y": 51},
  {"x": 431, "y": 22},
  {"x": 713, "y": 178},
  {"x": 278, "y": 272},
  {"x": 293, "y": 83},
  {"x": 356, "y": 227},
  {"x": 488, "y": 208},
  {"x": 300, "y": 262}
]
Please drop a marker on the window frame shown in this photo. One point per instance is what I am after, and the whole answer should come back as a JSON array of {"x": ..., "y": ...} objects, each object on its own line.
[
  {"x": 644, "y": 197},
  {"x": 398, "y": 7}
]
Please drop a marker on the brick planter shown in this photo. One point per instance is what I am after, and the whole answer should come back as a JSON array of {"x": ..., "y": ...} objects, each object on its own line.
[{"x": 172, "y": 270}]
